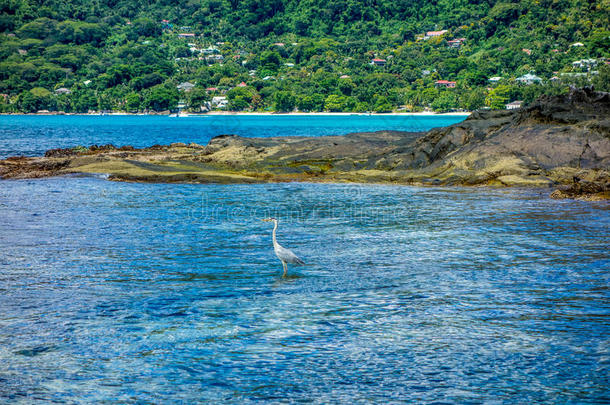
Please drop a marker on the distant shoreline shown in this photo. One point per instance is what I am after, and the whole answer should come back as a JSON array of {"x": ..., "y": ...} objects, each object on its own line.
[
  {"x": 246, "y": 114},
  {"x": 333, "y": 113},
  {"x": 494, "y": 148}
]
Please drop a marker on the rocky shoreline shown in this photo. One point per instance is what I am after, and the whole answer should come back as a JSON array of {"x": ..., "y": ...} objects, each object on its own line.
[{"x": 561, "y": 142}]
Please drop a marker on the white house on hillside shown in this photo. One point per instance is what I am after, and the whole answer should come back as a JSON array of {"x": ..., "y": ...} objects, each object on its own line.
[
  {"x": 529, "y": 79},
  {"x": 514, "y": 105},
  {"x": 185, "y": 86},
  {"x": 378, "y": 62},
  {"x": 219, "y": 101},
  {"x": 584, "y": 63},
  {"x": 433, "y": 34}
]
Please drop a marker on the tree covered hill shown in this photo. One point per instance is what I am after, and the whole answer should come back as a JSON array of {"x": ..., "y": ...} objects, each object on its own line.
[{"x": 313, "y": 55}]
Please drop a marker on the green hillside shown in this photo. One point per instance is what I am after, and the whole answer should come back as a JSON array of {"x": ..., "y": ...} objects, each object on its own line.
[{"x": 311, "y": 55}]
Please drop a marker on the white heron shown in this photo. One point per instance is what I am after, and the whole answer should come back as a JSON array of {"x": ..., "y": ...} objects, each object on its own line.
[{"x": 285, "y": 255}]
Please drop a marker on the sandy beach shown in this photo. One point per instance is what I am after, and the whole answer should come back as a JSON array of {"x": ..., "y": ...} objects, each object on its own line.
[
  {"x": 254, "y": 114},
  {"x": 335, "y": 113}
]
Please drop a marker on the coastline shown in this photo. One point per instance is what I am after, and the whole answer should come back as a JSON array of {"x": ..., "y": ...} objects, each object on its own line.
[
  {"x": 332, "y": 114},
  {"x": 506, "y": 148},
  {"x": 248, "y": 114}
]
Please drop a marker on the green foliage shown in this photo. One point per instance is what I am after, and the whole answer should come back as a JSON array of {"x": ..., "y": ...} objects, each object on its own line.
[
  {"x": 312, "y": 55},
  {"x": 145, "y": 27},
  {"x": 80, "y": 149},
  {"x": 346, "y": 86},
  {"x": 505, "y": 12},
  {"x": 284, "y": 101},
  {"x": 270, "y": 60},
  {"x": 382, "y": 105},
  {"x": 240, "y": 98},
  {"x": 476, "y": 78},
  {"x": 361, "y": 107},
  {"x": 599, "y": 42},
  {"x": 36, "y": 99},
  {"x": 84, "y": 100},
  {"x": 473, "y": 100},
  {"x": 446, "y": 101},
  {"x": 601, "y": 82},
  {"x": 41, "y": 28},
  {"x": 334, "y": 102},
  {"x": 132, "y": 102},
  {"x": 161, "y": 98},
  {"x": 148, "y": 80},
  {"x": 197, "y": 98},
  {"x": 309, "y": 103},
  {"x": 498, "y": 97},
  {"x": 78, "y": 32}
]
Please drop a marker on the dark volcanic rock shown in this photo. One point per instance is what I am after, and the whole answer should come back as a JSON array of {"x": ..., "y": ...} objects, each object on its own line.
[
  {"x": 60, "y": 152},
  {"x": 578, "y": 106},
  {"x": 102, "y": 148},
  {"x": 584, "y": 190}
]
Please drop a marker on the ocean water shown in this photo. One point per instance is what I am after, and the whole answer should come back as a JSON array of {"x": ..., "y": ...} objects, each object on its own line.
[
  {"x": 33, "y": 135},
  {"x": 171, "y": 293}
]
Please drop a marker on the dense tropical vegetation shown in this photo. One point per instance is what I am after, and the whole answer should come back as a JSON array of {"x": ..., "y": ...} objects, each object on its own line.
[{"x": 282, "y": 55}]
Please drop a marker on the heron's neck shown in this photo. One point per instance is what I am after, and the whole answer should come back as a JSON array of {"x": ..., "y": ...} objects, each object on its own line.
[{"x": 274, "y": 229}]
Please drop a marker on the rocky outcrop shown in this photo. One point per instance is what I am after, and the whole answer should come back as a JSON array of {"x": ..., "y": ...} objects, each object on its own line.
[
  {"x": 560, "y": 140},
  {"x": 517, "y": 147},
  {"x": 586, "y": 191},
  {"x": 595, "y": 187}
]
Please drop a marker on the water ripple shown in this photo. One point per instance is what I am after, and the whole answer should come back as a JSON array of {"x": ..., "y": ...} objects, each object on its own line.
[{"x": 142, "y": 293}]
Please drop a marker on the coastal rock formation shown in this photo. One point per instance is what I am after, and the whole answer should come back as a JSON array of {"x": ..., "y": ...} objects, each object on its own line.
[{"x": 560, "y": 140}]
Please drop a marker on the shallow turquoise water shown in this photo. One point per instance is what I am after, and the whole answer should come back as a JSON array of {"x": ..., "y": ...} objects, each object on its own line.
[
  {"x": 33, "y": 135},
  {"x": 171, "y": 293}
]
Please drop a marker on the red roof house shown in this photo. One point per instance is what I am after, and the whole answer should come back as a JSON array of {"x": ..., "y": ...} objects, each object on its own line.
[
  {"x": 445, "y": 83},
  {"x": 378, "y": 62}
]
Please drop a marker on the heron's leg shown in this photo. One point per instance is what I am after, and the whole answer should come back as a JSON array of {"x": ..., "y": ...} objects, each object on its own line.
[{"x": 285, "y": 268}]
